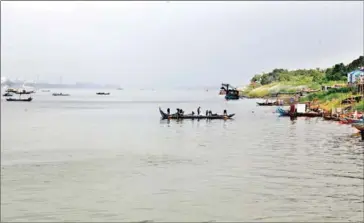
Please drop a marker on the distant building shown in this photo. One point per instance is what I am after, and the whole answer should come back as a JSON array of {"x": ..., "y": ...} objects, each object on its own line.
[{"x": 356, "y": 76}]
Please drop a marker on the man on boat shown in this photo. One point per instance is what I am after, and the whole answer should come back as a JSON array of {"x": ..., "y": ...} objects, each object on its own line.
[
  {"x": 168, "y": 111},
  {"x": 178, "y": 112},
  {"x": 225, "y": 112},
  {"x": 198, "y": 110},
  {"x": 207, "y": 113}
]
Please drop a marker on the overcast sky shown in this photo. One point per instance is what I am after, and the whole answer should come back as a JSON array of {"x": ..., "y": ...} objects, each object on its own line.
[{"x": 175, "y": 43}]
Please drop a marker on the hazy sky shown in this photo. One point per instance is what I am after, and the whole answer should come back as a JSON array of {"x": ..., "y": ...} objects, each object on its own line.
[{"x": 175, "y": 43}]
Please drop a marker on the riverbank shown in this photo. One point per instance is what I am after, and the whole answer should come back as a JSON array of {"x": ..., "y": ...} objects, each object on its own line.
[{"x": 328, "y": 87}]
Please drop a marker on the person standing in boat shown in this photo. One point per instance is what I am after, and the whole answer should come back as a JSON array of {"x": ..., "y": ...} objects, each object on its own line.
[
  {"x": 225, "y": 112},
  {"x": 178, "y": 112},
  {"x": 168, "y": 111},
  {"x": 198, "y": 110},
  {"x": 207, "y": 113}
]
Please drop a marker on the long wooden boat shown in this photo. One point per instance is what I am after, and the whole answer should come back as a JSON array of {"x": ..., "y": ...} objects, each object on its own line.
[
  {"x": 285, "y": 113},
  {"x": 350, "y": 121},
  {"x": 103, "y": 93},
  {"x": 174, "y": 116},
  {"x": 331, "y": 118},
  {"x": 232, "y": 95},
  {"x": 19, "y": 99},
  {"x": 265, "y": 104}
]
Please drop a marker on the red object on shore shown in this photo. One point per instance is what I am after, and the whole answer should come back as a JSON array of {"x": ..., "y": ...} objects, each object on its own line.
[{"x": 292, "y": 108}]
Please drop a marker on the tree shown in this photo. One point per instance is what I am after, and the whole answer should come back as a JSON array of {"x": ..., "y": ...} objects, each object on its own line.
[{"x": 256, "y": 78}]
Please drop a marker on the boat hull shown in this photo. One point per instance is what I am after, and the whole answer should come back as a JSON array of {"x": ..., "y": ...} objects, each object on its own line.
[
  {"x": 60, "y": 94},
  {"x": 19, "y": 100},
  {"x": 285, "y": 113},
  {"x": 232, "y": 97}
]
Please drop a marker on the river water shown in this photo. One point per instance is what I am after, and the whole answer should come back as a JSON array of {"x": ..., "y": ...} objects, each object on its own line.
[{"x": 111, "y": 158}]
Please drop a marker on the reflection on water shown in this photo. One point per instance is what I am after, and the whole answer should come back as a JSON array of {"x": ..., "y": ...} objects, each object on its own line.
[{"x": 117, "y": 162}]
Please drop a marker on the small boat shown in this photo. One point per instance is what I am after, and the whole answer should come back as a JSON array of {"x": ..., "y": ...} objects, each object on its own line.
[
  {"x": 103, "y": 93},
  {"x": 190, "y": 116},
  {"x": 350, "y": 121},
  {"x": 19, "y": 99},
  {"x": 266, "y": 104},
  {"x": 331, "y": 118},
  {"x": 285, "y": 113},
  {"x": 60, "y": 94},
  {"x": 231, "y": 93},
  {"x": 7, "y": 94}
]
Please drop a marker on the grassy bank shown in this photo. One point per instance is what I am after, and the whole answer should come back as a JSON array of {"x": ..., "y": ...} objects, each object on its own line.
[
  {"x": 333, "y": 98},
  {"x": 260, "y": 91},
  {"x": 290, "y": 81}
]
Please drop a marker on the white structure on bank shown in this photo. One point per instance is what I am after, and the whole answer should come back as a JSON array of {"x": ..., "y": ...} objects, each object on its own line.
[{"x": 356, "y": 76}]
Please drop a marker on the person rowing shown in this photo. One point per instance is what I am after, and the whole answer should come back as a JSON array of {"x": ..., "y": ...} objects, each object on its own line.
[
  {"x": 178, "y": 112},
  {"x": 198, "y": 110},
  {"x": 225, "y": 112},
  {"x": 168, "y": 111}
]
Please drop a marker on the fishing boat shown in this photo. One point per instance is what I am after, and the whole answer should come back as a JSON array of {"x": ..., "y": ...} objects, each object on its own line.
[
  {"x": 266, "y": 103},
  {"x": 103, "y": 93},
  {"x": 350, "y": 121},
  {"x": 20, "y": 93},
  {"x": 330, "y": 118},
  {"x": 20, "y": 99},
  {"x": 231, "y": 92},
  {"x": 60, "y": 94},
  {"x": 190, "y": 116},
  {"x": 286, "y": 113}
]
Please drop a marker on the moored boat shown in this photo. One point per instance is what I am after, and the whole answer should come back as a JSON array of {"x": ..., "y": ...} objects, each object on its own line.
[
  {"x": 60, "y": 94},
  {"x": 350, "y": 121},
  {"x": 287, "y": 113},
  {"x": 266, "y": 103},
  {"x": 20, "y": 99},
  {"x": 103, "y": 93},
  {"x": 331, "y": 118},
  {"x": 231, "y": 93},
  {"x": 190, "y": 116}
]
